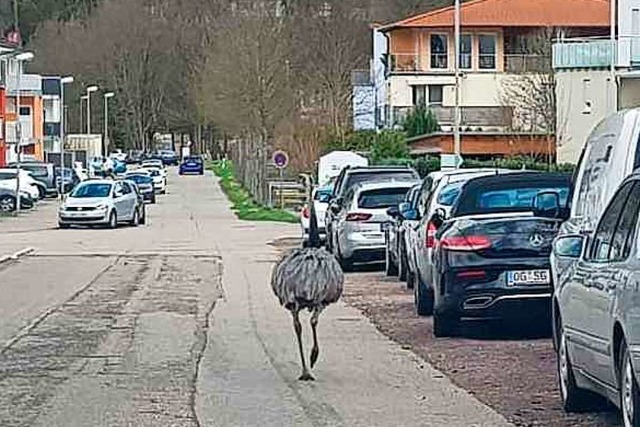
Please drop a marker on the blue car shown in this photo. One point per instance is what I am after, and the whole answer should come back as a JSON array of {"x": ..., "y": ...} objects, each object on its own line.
[
  {"x": 192, "y": 164},
  {"x": 119, "y": 167}
]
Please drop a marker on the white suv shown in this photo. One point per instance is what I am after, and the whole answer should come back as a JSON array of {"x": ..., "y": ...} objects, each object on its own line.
[{"x": 100, "y": 202}]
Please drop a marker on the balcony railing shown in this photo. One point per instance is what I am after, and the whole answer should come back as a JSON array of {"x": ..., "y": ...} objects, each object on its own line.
[
  {"x": 583, "y": 53},
  {"x": 526, "y": 63},
  {"x": 404, "y": 62},
  {"x": 471, "y": 117}
]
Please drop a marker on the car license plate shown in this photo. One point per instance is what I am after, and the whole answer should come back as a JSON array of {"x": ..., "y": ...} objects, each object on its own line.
[{"x": 528, "y": 277}]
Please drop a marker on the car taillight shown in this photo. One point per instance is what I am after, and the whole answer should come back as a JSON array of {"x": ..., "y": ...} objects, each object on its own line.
[
  {"x": 430, "y": 241},
  {"x": 305, "y": 212},
  {"x": 358, "y": 216},
  {"x": 465, "y": 243}
]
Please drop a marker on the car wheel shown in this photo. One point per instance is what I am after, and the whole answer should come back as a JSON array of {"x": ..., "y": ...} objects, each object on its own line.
[
  {"x": 411, "y": 280},
  {"x": 444, "y": 324},
  {"x": 390, "y": 269},
  {"x": 423, "y": 298},
  {"x": 7, "y": 203},
  {"x": 113, "y": 220},
  {"x": 143, "y": 217},
  {"x": 629, "y": 394},
  {"x": 135, "y": 221},
  {"x": 573, "y": 398},
  {"x": 402, "y": 266},
  {"x": 153, "y": 199}
]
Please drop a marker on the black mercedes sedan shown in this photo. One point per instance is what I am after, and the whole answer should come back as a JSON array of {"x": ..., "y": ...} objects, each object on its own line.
[{"x": 491, "y": 255}]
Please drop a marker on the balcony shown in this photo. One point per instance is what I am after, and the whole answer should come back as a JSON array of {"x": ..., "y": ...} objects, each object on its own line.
[
  {"x": 526, "y": 63},
  {"x": 583, "y": 53},
  {"x": 471, "y": 117},
  {"x": 513, "y": 63},
  {"x": 404, "y": 63}
]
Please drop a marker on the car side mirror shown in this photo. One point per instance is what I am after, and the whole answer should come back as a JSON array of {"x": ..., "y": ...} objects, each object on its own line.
[
  {"x": 547, "y": 204},
  {"x": 570, "y": 246},
  {"x": 393, "y": 212}
]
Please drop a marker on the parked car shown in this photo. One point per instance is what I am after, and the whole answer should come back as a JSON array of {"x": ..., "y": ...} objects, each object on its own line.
[
  {"x": 42, "y": 172},
  {"x": 348, "y": 178},
  {"x": 144, "y": 182},
  {"x": 155, "y": 163},
  {"x": 610, "y": 154},
  {"x": 491, "y": 257},
  {"x": 134, "y": 157},
  {"x": 100, "y": 202},
  {"x": 361, "y": 221},
  {"x": 395, "y": 260},
  {"x": 159, "y": 181},
  {"x": 595, "y": 309},
  {"x": 169, "y": 157},
  {"x": 36, "y": 189},
  {"x": 439, "y": 192},
  {"x": 191, "y": 164},
  {"x": 118, "y": 155},
  {"x": 320, "y": 197},
  {"x": 119, "y": 167},
  {"x": 8, "y": 200},
  {"x": 142, "y": 209}
]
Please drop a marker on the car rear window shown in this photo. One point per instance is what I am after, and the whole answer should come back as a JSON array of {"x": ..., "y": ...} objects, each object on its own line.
[
  {"x": 507, "y": 195},
  {"x": 140, "y": 179},
  {"x": 193, "y": 159},
  {"x": 358, "y": 178},
  {"x": 381, "y": 198}
]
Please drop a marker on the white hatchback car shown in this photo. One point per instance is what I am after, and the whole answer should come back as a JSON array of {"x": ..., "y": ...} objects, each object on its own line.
[
  {"x": 100, "y": 202},
  {"x": 159, "y": 178}
]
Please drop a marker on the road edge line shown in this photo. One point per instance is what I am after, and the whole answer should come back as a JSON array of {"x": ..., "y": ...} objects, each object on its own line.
[{"x": 15, "y": 256}]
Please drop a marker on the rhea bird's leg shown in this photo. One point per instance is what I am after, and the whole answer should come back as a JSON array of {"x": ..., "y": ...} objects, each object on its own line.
[
  {"x": 314, "y": 323},
  {"x": 306, "y": 376}
]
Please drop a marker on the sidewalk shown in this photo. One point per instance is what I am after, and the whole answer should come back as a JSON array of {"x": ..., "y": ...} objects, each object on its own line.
[{"x": 248, "y": 375}]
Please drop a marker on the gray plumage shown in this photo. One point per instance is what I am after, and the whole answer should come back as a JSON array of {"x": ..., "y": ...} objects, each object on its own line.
[{"x": 308, "y": 278}]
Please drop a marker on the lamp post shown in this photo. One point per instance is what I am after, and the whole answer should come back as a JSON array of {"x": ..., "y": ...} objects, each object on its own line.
[
  {"x": 456, "y": 113},
  {"x": 106, "y": 121},
  {"x": 82, "y": 98},
  {"x": 90, "y": 89},
  {"x": 63, "y": 81},
  {"x": 21, "y": 57}
]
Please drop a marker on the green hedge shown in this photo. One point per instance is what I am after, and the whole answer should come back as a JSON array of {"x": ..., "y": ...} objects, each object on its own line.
[{"x": 244, "y": 206}]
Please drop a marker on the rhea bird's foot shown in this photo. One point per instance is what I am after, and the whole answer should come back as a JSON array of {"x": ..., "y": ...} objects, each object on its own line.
[{"x": 306, "y": 376}]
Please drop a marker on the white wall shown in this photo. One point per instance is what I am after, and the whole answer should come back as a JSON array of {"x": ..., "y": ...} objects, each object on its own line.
[
  {"x": 628, "y": 31},
  {"x": 584, "y": 98}
]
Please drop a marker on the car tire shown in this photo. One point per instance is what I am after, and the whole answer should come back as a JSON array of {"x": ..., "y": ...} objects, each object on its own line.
[
  {"x": 113, "y": 220},
  {"x": 403, "y": 267},
  {"x": 444, "y": 324},
  {"x": 574, "y": 399},
  {"x": 390, "y": 269},
  {"x": 143, "y": 217},
  {"x": 629, "y": 392},
  {"x": 135, "y": 221},
  {"x": 63, "y": 226},
  {"x": 153, "y": 199},
  {"x": 423, "y": 298},
  {"x": 7, "y": 203},
  {"x": 411, "y": 279}
]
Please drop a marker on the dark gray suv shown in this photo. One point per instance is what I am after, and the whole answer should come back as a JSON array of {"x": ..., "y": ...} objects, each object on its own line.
[{"x": 596, "y": 309}]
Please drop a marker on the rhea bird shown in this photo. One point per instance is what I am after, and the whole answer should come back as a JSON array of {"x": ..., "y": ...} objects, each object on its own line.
[{"x": 308, "y": 278}]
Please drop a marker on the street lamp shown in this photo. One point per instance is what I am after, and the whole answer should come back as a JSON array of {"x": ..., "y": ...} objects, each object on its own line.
[
  {"x": 63, "y": 81},
  {"x": 82, "y": 98},
  {"x": 21, "y": 58},
  {"x": 106, "y": 120},
  {"x": 90, "y": 89}
]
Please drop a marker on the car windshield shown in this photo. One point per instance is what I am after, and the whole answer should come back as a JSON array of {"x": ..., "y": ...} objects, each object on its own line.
[
  {"x": 449, "y": 194},
  {"x": 36, "y": 170},
  {"x": 140, "y": 179},
  {"x": 381, "y": 198},
  {"x": 92, "y": 190},
  {"x": 154, "y": 172},
  {"x": 508, "y": 196}
]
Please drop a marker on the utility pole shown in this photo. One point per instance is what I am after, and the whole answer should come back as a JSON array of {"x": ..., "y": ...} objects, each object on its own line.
[{"x": 456, "y": 121}]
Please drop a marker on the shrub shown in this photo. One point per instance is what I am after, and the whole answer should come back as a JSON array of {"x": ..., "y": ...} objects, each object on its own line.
[
  {"x": 420, "y": 121},
  {"x": 389, "y": 144}
]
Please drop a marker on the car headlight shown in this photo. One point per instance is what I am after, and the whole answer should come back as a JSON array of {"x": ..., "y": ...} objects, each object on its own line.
[{"x": 102, "y": 207}]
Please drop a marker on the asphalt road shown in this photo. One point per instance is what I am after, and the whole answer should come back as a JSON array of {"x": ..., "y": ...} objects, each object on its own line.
[{"x": 174, "y": 324}]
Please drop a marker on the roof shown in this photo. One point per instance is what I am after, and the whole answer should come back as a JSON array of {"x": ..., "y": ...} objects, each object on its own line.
[{"x": 514, "y": 13}]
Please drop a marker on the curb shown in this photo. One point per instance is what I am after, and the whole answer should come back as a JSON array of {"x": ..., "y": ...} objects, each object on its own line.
[{"x": 14, "y": 257}]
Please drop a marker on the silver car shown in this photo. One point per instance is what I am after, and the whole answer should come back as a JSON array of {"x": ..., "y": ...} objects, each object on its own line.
[
  {"x": 100, "y": 202},
  {"x": 361, "y": 221},
  {"x": 596, "y": 309}
]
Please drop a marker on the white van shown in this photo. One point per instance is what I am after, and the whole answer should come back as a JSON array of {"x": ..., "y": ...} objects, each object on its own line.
[{"x": 610, "y": 154}]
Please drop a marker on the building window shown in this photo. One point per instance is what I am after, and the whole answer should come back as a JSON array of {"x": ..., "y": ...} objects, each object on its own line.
[
  {"x": 439, "y": 51},
  {"x": 487, "y": 59},
  {"x": 465, "y": 52},
  {"x": 435, "y": 94},
  {"x": 419, "y": 95},
  {"x": 25, "y": 111}
]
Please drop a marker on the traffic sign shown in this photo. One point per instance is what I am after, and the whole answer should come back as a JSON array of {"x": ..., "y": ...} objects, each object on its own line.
[
  {"x": 280, "y": 159},
  {"x": 450, "y": 161}
]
